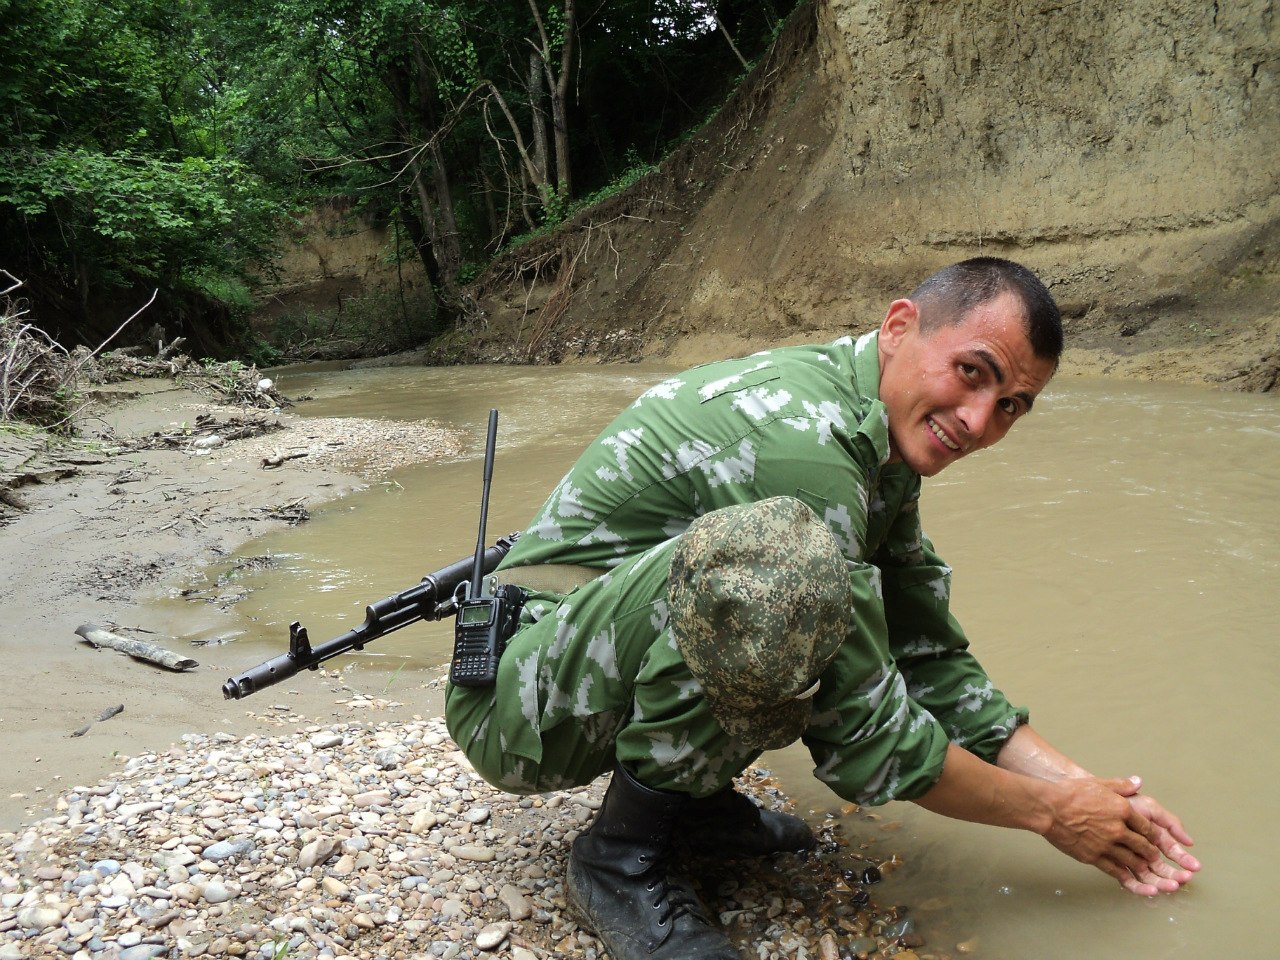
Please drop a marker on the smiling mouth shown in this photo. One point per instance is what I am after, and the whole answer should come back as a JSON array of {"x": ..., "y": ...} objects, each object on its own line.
[{"x": 941, "y": 435}]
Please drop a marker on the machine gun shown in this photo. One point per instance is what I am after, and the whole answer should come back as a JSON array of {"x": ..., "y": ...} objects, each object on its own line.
[
  {"x": 485, "y": 617},
  {"x": 432, "y": 599}
]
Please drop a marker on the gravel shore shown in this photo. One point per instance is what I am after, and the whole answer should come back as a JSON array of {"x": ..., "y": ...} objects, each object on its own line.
[{"x": 372, "y": 839}]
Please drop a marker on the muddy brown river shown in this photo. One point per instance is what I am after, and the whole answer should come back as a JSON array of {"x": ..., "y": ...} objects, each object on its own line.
[{"x": 1117, "y": 568}]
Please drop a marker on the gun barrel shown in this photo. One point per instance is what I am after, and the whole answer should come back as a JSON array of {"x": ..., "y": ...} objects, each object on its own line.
[{"x": 263, "y": 675}]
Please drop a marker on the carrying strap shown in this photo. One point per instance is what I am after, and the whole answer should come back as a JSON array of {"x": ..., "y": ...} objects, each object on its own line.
[{"x": 550, "y": 577}]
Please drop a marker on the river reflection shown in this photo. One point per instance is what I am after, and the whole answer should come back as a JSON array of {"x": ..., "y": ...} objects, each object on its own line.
[{"x": 1116, "y": 568}]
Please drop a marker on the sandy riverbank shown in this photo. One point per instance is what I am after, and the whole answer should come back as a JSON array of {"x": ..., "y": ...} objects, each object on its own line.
[{"x": 87, "y": 547}]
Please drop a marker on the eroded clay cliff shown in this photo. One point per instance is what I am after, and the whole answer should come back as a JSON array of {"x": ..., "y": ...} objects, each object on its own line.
[{"x": 1125, "y": 152}]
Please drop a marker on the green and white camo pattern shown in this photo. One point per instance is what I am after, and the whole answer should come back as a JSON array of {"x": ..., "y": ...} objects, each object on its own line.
[{"x": 596, "y": 672}]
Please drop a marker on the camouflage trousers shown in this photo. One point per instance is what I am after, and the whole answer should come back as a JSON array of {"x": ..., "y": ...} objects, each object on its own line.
[{"x": 590, "y": 677}]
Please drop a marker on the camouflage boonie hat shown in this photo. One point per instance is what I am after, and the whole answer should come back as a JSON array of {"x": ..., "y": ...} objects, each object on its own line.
[{"x": 760, "y": 602}]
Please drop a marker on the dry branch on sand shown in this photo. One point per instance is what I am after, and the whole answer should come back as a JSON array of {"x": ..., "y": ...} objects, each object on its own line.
[
  {"x": 41, "y": 380},
  {"x": 37, "y": 374},
  {"x": 231, "y": 383},
  {"x": 206, "y": 433}
]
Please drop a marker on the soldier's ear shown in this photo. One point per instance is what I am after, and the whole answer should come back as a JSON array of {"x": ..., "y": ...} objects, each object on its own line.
[{"x": 899, "y": 323}]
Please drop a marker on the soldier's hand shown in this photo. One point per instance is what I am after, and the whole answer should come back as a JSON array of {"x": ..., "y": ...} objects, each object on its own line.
[
  {"x": 1107, "y": 824},
  {"x": 1179, "y": 866}
]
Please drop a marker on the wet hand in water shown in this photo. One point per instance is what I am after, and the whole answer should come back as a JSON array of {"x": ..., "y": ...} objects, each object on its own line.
[
  {"x": 1176, "y": 866},
  {"x": 1130, "y": 837}
]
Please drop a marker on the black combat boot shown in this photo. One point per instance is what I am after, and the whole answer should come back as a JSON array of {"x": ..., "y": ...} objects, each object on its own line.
[
  {"x": 729, "y": 824},
  {"x": 618, "y": 886}
]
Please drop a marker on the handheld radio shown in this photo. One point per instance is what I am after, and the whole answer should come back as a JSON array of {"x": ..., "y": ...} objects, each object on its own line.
[{"x": 487, "y": 613}]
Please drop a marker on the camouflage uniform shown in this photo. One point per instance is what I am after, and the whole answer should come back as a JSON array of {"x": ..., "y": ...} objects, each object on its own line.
[{"x": 596, "y": 673}]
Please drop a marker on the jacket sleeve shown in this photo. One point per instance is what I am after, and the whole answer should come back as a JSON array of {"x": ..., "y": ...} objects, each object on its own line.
[
  {"x": 929, "y": 646},
  {"x": 872, "y": 742}
]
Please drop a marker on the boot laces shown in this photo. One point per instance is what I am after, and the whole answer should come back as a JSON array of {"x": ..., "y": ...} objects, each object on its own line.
[{"x": 673, "y": 899}]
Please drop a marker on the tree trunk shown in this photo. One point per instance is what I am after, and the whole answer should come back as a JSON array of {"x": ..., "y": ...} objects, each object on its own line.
[
  {"x": 497, "y": 231},
  {"x": 559, "y": 112},
  {"x": 448, "y": 236},
  {"x": 446, "y": 274},
  {"x": 558, "y": 80},
  {"x": 440, "y": 228},
  {"x": 528, "y": 169},
  {"x": 421, "y": 240},
  {"x": 732, "y": 46},
  {"x": 536, "y": 90},
  {"x": 426, "y": 114}
]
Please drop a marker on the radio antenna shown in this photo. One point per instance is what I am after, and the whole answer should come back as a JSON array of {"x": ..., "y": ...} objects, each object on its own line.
[{"x": 477, "y": 568}]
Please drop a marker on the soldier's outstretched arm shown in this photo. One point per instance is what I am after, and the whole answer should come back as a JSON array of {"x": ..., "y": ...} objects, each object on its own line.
[
  {"x": 1028, "y": 753},
  {"x": 1087, "y": 818}
]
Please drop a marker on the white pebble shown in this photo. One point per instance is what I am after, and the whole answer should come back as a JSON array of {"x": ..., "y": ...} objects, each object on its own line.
[
  {"x": 39, "y": 918},
  {"x": 492, "y": 935}
]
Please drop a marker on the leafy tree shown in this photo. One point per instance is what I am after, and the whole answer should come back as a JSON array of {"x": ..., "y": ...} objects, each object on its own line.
[
  {"x": 114, "y": 170},
  {"x": 159, "y": 142}
]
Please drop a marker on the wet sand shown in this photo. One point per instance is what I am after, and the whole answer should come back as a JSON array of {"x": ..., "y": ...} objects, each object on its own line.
[{"x": 90, "y": 546}]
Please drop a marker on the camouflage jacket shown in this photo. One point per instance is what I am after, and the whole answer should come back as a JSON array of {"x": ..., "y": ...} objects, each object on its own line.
[{"x": 804, "y": 422}]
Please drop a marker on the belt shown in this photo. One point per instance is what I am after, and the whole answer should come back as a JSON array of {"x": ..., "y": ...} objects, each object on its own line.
[{"x": 549, "y": 577}]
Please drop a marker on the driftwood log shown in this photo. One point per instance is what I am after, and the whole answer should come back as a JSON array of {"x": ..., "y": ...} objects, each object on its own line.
[
  {"x": 139, "y": 649},
  {"x": 278, "y": 459}
]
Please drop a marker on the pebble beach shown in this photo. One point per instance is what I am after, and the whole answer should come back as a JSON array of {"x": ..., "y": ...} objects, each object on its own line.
[{"x": 371, "y": 839}]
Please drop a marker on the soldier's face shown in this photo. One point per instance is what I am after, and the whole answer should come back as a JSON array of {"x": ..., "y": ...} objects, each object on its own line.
[{"x": 957, "y": 388}]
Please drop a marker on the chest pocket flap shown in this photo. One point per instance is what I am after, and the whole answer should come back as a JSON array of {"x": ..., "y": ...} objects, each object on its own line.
[{"x": 748, "y": 379}]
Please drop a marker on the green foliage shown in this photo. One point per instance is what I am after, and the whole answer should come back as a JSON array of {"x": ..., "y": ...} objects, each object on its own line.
[
  {"x": 262, "y": 354},
  {"x": 279, "y": 945},
  {"x": 148, "y": 143},
  {"x": 232, "y": 291},
  {"x": 115, "y": 169},
  {"x": 628, "y": 178},
  {"x": 153, "y": 217}
]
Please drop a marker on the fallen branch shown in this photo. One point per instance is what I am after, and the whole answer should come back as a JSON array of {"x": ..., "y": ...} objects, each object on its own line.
[
  {"x": 278, "y": 459},
  {"x": 132, "y": 317},
  {"x": 292, "y": 513},
  {"x": 206, "y": 433},
  {"x": 96, "y": 637},
  {"x": 163, "y": 353},
  {"x": 106, "y": 714}
]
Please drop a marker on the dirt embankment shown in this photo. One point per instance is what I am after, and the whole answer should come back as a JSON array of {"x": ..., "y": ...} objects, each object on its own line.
[{"x": 1127, "y": 154}]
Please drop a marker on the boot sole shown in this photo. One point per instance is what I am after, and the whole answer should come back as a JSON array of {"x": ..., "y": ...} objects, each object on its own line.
[{"x": 579, "y": 916}]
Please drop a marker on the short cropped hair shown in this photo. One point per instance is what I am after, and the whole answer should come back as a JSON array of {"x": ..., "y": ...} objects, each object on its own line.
[{"x": 947, "y": 296}]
